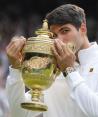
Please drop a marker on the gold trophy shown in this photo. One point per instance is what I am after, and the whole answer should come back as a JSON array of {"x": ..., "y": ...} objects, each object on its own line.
[{"x": 38, "y": 68}]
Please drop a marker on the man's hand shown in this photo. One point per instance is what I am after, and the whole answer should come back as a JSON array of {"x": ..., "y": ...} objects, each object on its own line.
[
  {"x": 14, "y": 51},
  {"x": 65, "y": 57}
]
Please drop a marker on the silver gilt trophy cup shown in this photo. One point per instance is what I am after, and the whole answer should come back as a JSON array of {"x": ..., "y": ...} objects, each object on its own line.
[{"x": 38, "y": 68}]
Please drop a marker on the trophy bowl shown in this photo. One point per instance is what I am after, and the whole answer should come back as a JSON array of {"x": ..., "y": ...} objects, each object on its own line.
[{"x": 38, "y": 68}]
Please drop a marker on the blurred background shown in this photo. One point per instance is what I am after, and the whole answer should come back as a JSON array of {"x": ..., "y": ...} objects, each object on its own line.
[{"x": 23, "y": 17}]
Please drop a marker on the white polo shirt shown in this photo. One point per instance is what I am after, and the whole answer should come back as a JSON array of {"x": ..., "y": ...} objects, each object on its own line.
[{"x": 74, "y": 96}]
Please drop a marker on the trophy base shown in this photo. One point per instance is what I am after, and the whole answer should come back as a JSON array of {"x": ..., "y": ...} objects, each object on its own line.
[{"x": 34, "y": 106}]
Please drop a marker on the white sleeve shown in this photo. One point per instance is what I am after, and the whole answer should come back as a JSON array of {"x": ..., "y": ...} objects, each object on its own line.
[
  {"x": 16, "y": 94},
  {"x": 83, "y": 95}
]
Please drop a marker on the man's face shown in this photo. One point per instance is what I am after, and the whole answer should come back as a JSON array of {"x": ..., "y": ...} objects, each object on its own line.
[{"x": 68, "y": 33}]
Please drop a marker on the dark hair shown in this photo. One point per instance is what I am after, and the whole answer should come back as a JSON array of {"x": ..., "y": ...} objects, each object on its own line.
[{"x": 65, "y": 14}]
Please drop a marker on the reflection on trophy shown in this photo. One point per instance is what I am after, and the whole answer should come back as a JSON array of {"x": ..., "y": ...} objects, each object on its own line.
[{"x": 38, "y": 68}]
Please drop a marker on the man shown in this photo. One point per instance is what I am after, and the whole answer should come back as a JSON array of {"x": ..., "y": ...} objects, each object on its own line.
[{"x": 74, "y": 92}]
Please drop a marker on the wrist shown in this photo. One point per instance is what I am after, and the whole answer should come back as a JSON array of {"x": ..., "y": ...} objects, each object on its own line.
[
  {"x": 16, "y": 65},
  {"x": 69, "y": 70}
]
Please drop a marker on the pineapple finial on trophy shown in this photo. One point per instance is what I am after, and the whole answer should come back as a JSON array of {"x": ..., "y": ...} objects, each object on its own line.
[
  {"x": 44, "y": 30},
  {"x": 45, "y": 24}
]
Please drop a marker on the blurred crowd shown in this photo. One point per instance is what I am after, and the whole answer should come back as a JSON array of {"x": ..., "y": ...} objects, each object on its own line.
[{"x": 16, "y": 26}]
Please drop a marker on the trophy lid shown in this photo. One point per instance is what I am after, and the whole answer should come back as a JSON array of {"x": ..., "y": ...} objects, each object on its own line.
[{"x": 42, "y": 43}]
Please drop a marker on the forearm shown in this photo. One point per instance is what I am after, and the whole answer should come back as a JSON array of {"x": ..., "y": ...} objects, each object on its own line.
[
  {"x": 15, "y": 86},
  {"x": 85, "y": 97},
  {"x": 15, "y": 91},
  {"x": 16, "y": 94}
]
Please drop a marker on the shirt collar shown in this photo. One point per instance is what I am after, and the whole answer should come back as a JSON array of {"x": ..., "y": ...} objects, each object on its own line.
[{"x": 89, "y": 54}]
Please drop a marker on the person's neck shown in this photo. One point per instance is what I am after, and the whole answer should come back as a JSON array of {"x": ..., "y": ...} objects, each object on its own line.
[{"x": 84, "y": 46}]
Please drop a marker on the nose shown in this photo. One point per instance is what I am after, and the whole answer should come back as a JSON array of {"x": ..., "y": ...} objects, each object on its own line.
[{"x": 60, "y": 37}]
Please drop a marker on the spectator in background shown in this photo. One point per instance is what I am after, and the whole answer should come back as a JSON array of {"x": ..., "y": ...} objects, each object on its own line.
[
  {"x": 3, "y": 66},
  {"x": 4, "y": 105},
  {"x": 92, "y": 26}
]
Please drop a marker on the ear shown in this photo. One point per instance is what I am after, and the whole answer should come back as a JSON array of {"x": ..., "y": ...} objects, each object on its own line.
[{"x": 83, "y": 28}]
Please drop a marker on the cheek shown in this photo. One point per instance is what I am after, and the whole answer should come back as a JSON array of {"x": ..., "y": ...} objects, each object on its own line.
[
  {"x": 63, "y": 38},
  {"x": 67, "y": 38}
]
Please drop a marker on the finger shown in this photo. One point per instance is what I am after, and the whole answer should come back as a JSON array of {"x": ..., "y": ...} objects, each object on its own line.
[
  {"x": 72, "y": 47},
  {"x": 69, "y": 47},
  {"x": 14, "y": 48},
  {"x": 64, "y": 48},
  {"x": 9, "y": 48},
  {"x": 18, "y": 43},
  {"x": 11, "y": 53},
  {"x": 19, "y": 57},
  {"x": 58, "y": 47},
  {"x": 9, "y": 45},
  {"x": 71, "y": 51},
  {"x": 55, "y": 53},
  {"x": 16, "y": 39}
]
